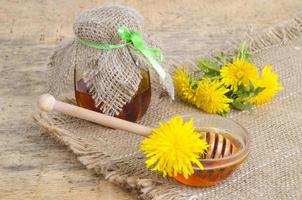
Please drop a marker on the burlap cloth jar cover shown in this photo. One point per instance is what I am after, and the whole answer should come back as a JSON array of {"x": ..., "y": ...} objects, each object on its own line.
[
  {"x": 274, "y": 168},
  {"x": 114, "y": 75}
]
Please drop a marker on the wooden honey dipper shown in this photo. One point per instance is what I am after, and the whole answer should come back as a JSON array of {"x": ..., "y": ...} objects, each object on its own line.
[
  {"x": 188, "y": 150},
  {"x": 219, "y": 145}
]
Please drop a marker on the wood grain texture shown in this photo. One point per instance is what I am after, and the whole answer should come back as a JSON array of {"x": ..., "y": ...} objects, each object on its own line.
[{"x": 33, "y": 166}]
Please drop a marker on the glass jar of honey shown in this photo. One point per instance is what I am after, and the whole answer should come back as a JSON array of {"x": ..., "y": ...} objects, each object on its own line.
[{"x": 132, "y": 111}]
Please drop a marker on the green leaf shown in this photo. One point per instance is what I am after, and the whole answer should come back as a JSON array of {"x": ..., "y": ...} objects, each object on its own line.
[
  {"x": 251, "y": 87},
  {"x": 243, "y": 52},
  {"x": 193, "y": 84},
  {"x": 242, "y": 92},
  {"x": 242, "y": 105},
  {"x": 241, "y": 87},
  {"x": 208, "y": 65},
  {"x": 230, "y": 94},
  {"x": 209, "y": 68},
  {"x": 211, "y": 74},
  {"x": 258, "y": 90},
  {"x": 224, "y": 114},
  {"x": 224, "y": 59}
]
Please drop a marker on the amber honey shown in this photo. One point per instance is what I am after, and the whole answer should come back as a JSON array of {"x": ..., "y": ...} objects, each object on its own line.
[
  {"x": 131, "y": 111},
  {"x": 214, "y": 173}
]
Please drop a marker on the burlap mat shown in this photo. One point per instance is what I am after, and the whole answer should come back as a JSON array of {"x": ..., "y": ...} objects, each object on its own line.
[{"x": 274, "y": 167}]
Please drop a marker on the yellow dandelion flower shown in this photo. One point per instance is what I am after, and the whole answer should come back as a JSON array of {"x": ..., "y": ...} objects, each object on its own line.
[
  {"x": 182, "y": 85},
  {"x": 268, "y": 80},
  {"x": 210, "y": 97},
  {"x": 174, "y": 147},
  {"x": 239, "y": 72}
]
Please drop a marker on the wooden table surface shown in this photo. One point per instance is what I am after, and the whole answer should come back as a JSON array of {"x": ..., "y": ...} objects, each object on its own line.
[{"x": 33, "y": 166}]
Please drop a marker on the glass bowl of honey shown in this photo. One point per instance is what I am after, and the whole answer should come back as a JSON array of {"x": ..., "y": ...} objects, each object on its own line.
[{"x": 228, "y": 149}]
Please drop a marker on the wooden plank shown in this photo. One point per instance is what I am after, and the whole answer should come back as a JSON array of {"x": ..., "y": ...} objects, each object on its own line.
[{"x": 36, "y": 167}]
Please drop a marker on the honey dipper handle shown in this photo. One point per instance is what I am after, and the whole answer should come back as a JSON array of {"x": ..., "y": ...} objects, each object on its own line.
[{"x": 47, "y": 103}]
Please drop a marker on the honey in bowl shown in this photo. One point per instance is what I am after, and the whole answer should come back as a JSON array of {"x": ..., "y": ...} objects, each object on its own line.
[
  {"x": 220, "y": 160},
  {"x": 131, "y": 111}
]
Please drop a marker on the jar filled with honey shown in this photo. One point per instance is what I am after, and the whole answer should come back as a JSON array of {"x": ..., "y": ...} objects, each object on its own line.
[
  {"x": 132, "y": 111},
  {"x": 111, "y": 57}
]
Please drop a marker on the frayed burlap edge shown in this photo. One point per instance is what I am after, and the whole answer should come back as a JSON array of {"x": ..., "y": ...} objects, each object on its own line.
[{"x": 88, "y": 155}]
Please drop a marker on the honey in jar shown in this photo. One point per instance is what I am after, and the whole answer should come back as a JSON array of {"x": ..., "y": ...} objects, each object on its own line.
[{"x": 132, "y": 111}]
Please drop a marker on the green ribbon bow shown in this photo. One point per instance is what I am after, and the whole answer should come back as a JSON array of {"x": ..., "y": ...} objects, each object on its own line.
[{"x": 135, "y": 39}]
